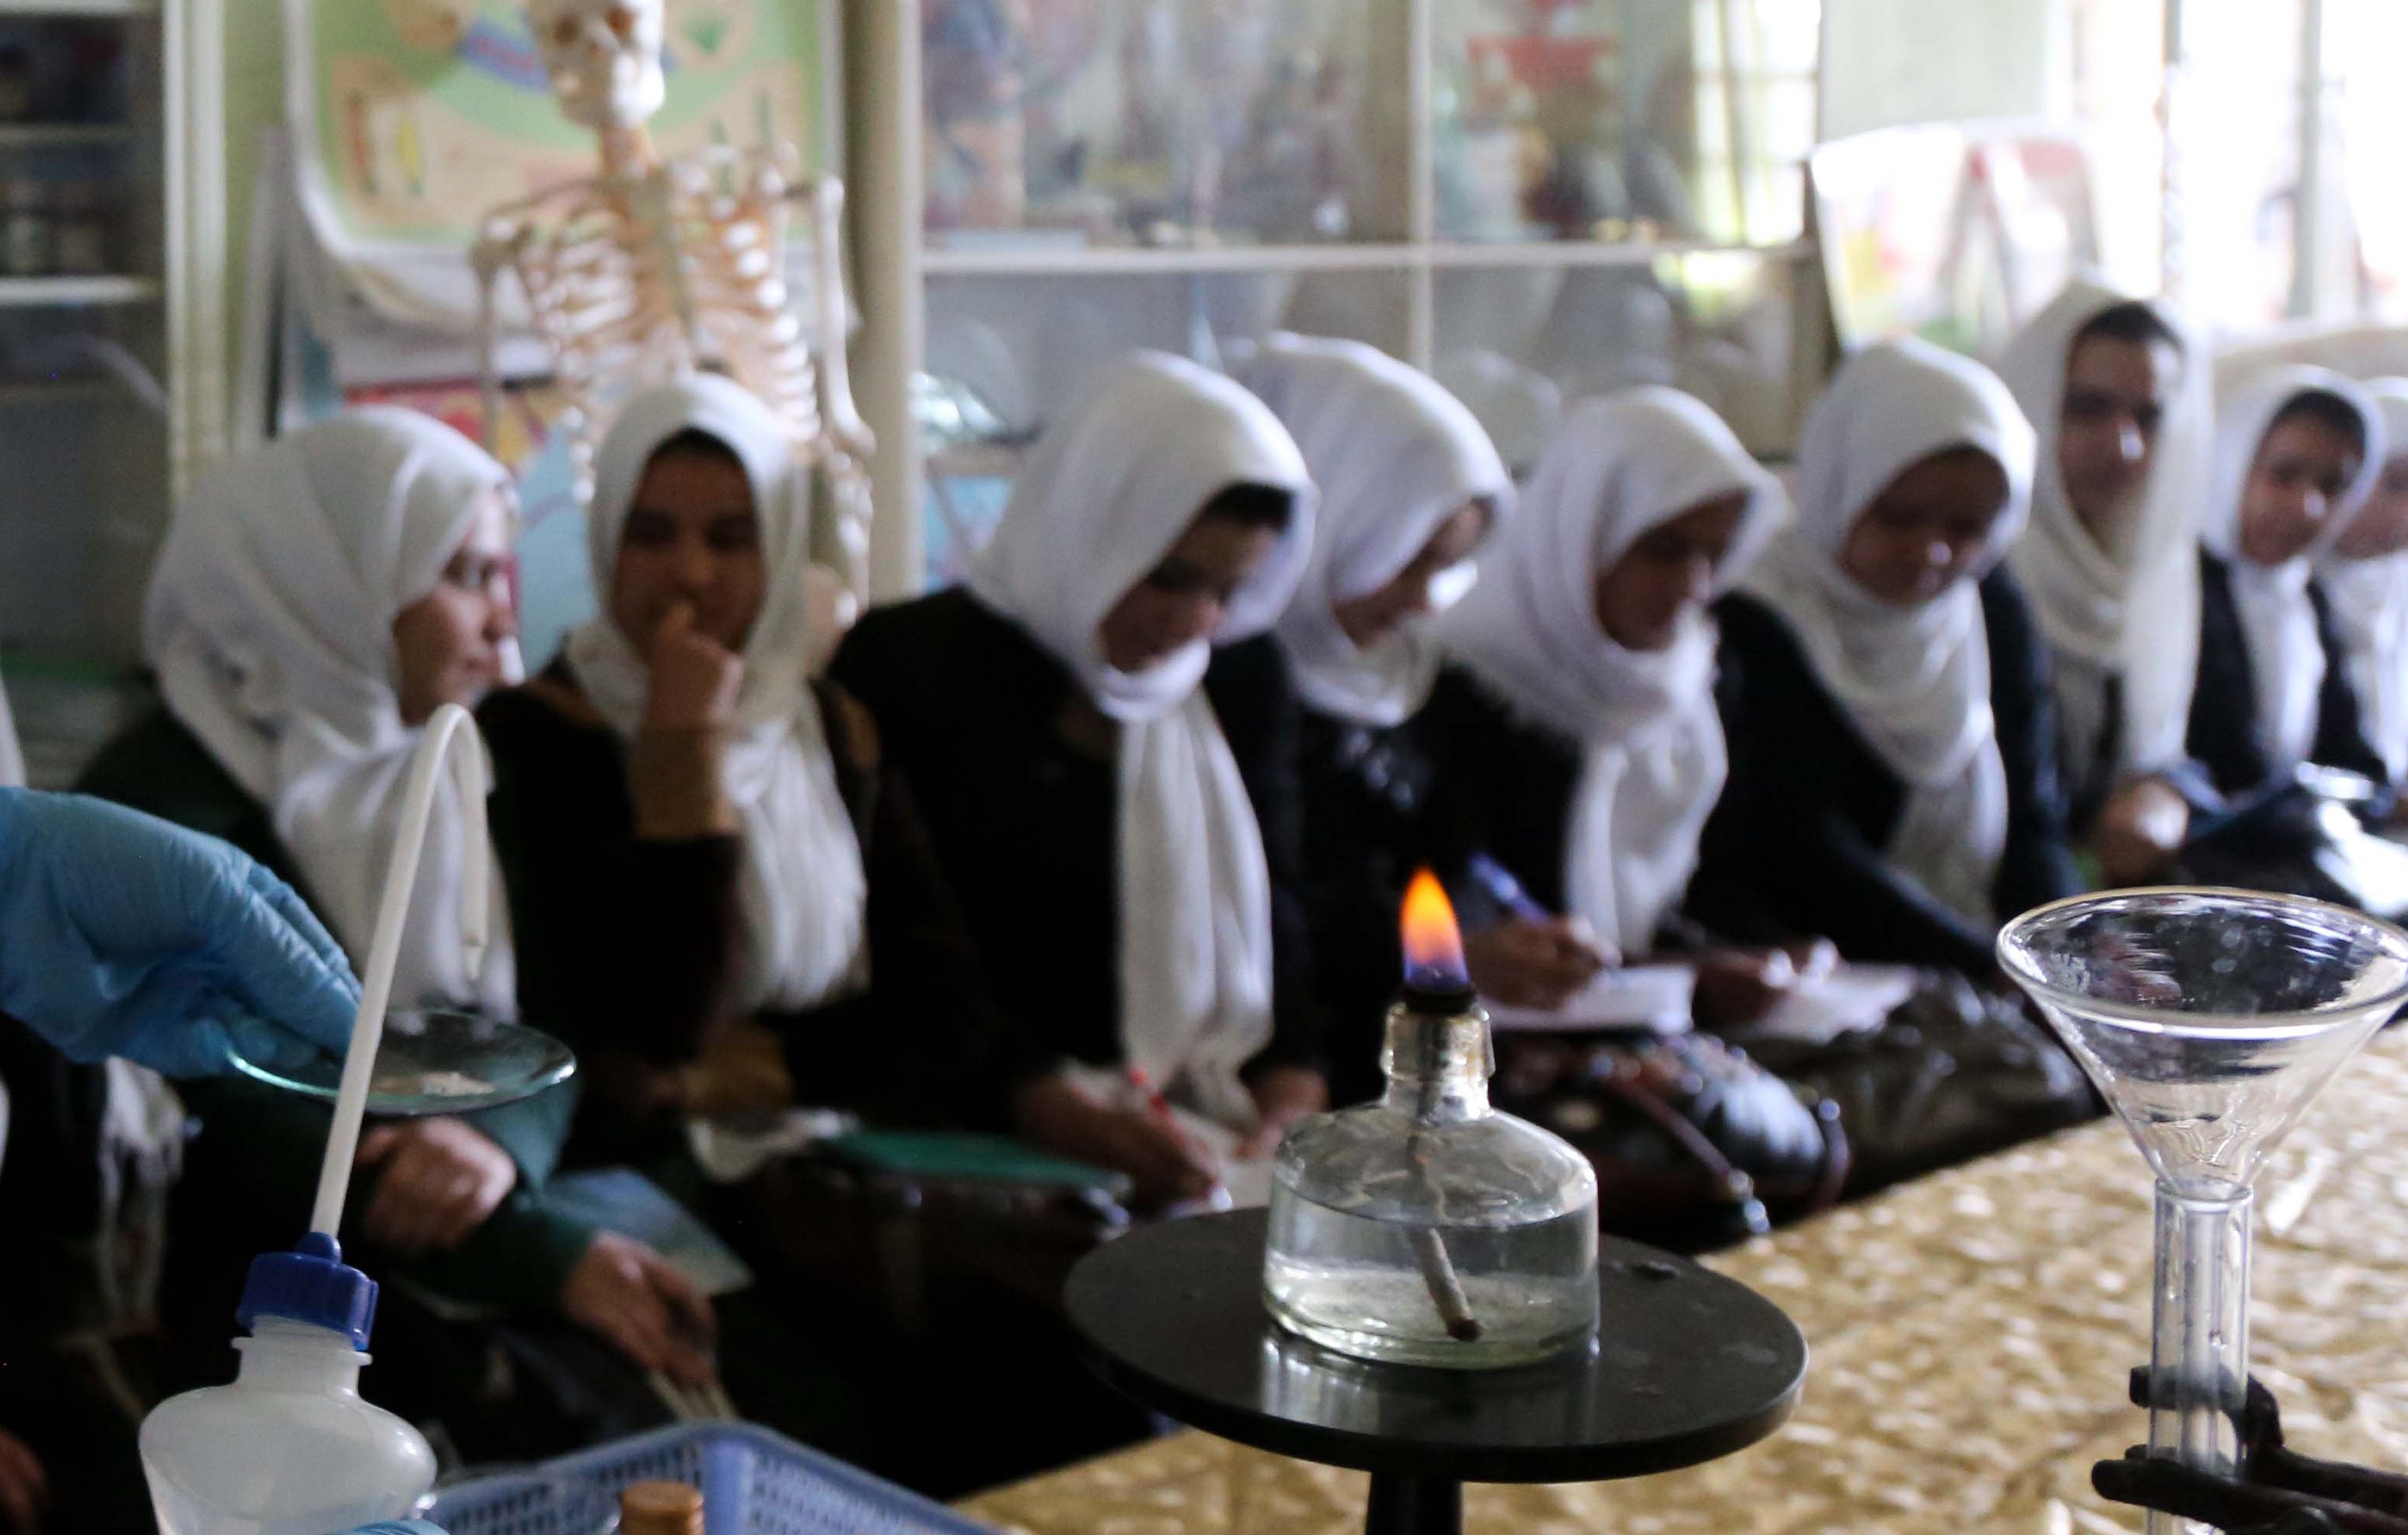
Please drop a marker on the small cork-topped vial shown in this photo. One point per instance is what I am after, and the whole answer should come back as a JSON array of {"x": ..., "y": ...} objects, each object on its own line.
[{"x": 660, "y": 1508}]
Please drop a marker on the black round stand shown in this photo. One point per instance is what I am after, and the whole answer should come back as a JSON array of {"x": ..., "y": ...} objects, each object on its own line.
[{"x": 1688, "y": 1366}]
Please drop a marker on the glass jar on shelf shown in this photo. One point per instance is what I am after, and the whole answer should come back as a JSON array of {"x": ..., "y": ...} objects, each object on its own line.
[
  {"x": 16, "y": 83},
  {"x": 1516, "y": 341},
  {"x": 1150, "y": 123},
  {"x": 81, "y": 237},
  {"x": 28, "y": 235},
  {"x": 1614, "y": 121}
]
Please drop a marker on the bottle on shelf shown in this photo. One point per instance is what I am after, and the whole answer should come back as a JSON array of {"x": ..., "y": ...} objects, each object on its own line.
[
  {"x": 80, "y": 242},
  {"x": 16, "y": 84},
  {"x": 28, "y": 235}
]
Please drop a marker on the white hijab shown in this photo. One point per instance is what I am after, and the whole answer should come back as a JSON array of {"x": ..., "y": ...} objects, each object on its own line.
[
  {"x": 2278, "y": 620},
  {"x": 2370, "y": 604},
  {"x": 804, "y": 889},
  {"x": 1108, "y": 489},
  {"x": 1916, "y": 681},
  {"x": 2130, "y": 612},
  {"x": 1652, "y": 760},
  {"x": 1394, "y": 455},
  {"x": 269, "y": 623}
]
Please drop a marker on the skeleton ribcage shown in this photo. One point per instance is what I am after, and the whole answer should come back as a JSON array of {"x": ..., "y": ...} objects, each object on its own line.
[{"x": 635, "y": 283}]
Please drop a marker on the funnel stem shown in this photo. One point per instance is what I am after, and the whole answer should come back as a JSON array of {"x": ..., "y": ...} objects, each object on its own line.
[{"x": 2199, "y": 1360}]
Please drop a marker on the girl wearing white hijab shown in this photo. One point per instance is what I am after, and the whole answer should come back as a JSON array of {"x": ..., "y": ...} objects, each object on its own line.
[
  {"x": 1575, "y": 727},
  {"x": 2365, "y": 574},
  {"x": 2121, "y": 406},
  {"x": 1893, "y": 748},
  {"x": 719, "y": 888},
  {"x": 316, "y": 601},
  {"x": 1121, "y": 827},
  {"x": 1410, "y": 488},
  {"x": 2299, "y": 449}
]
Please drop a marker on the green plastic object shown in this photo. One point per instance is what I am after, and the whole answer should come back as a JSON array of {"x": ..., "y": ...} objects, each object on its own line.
[{"x": 963, "y": 1157}]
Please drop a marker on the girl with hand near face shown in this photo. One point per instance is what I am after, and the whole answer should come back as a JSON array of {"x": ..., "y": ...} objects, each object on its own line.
[
  {"x": 1893, "y": 782},
  {"x": 315, "y": 601},
  {"x": 2364, "y": 572},
  {"x": 2299, "y": 451},
  {"x": 1109, "y": 776},
  {"x": 720, "y": 884}
]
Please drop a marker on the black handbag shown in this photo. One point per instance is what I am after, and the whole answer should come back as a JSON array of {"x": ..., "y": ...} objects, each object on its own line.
[
  {"x": 1951, "y": 1073},
  {"x": 1695, "y": 1145},
  {"x": 2303, "y": 839}
]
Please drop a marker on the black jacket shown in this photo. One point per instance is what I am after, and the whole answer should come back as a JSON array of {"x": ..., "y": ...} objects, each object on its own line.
[
  {"x": 2224, "y": 736},
  {"x": 1024, "y": 821},
  {"x": 634, "y": 949},
  {"x": 1796, "y": 846},
  {"x": 1375, "y": 810}
]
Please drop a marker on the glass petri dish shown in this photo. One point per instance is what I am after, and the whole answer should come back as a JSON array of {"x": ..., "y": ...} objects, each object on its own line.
[{"x": 436, "y": 1061}]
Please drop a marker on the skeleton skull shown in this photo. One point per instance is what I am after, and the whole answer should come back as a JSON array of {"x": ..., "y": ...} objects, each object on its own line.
[{"x": 604, "y": 57}]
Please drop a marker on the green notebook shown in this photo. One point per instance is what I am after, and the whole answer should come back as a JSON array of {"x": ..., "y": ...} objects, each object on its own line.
[{"x": 970, "y": 1159}]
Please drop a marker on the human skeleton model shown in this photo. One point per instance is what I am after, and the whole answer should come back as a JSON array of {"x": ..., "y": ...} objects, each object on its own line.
[{"x": 662, "y": 266}]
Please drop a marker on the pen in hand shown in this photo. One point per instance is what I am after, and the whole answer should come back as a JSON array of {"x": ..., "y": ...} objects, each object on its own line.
[{"x": 1574, "y": 944}]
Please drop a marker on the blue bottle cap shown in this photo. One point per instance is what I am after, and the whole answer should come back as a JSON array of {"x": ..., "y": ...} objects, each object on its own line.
[{"x": 311, "y": 1284}]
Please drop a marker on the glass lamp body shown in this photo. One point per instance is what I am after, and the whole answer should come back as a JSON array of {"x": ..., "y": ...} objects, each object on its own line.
[{"x": 1428, "y": 1228}]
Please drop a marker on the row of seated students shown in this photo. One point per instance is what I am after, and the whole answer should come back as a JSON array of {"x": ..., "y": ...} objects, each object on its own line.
[{"x": 1144, "y": 793}]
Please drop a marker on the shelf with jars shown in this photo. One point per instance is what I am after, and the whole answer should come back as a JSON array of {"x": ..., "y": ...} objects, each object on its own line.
[
  {"x": 113, "y": 266},
  {"x": 1531, "y": 198}
]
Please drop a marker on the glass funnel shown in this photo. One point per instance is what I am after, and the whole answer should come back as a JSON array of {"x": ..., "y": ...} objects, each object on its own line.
[{"x": 2209, "y": 1019}]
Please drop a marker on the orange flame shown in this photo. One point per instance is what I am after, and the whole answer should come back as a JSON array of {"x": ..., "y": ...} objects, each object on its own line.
[{"x": 1433, "y": 942}]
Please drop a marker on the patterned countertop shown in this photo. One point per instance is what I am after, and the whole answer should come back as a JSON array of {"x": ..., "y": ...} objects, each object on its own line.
[{"x": 1970, "y": 1333}]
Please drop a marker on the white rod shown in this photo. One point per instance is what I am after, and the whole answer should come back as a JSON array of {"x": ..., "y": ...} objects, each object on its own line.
[
  {"x": 2308, "y": 203},
  {"x": 1421, "y": 185},
  {"x": 883, "y": 151},
  {"x": 449, "y": 724}
]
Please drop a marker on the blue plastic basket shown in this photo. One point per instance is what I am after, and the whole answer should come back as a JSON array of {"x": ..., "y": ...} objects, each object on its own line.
[{"x": 753, "y": 1483}]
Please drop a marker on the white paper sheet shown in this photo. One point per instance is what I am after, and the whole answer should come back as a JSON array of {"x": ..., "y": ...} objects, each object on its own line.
[
  {"x": 1850, "y": 998},
  {"x": 1651, "y": 996}
]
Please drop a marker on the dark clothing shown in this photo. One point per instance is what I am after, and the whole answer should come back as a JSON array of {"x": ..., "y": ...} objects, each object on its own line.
[
  {"x": 634, "y": 946},
  {"x": 1365, "y": 791},
  {"x": 516, "y": 1382},
  {"x": 1026, "y": 821},
  {"x": 1504, "y": 787},
  {"x": 266, "y": 1143},
  {"x": 1464, "y": 775},
  {"x": 2090, "y": 782},
  {"x": 631, "y": 930},
  {"x": 1796, "y": 846},
  {"x": 56, "y": 1319},
  {"x": 2225, "y": 735}
]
